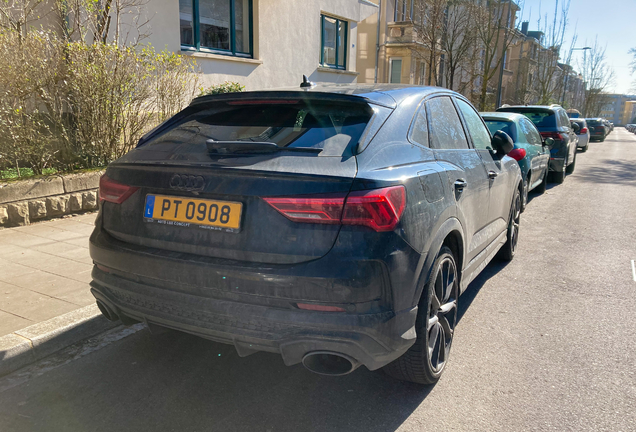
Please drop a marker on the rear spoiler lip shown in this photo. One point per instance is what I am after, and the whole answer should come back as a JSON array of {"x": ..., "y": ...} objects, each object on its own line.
[{"x": 382, "y": 99}]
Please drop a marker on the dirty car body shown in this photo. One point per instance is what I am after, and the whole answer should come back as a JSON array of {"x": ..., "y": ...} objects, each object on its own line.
[{"x": 297, "y": 221}]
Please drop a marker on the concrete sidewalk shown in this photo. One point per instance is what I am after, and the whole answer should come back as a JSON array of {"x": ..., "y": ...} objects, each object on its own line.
[{"x": 45, "y": 270}]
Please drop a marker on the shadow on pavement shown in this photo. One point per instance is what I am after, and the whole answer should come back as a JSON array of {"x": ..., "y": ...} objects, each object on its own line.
[
  {"x": 612, "y": 172},
  {"x": 475, "y": 286},
  {"x": 175, "y": 381}
]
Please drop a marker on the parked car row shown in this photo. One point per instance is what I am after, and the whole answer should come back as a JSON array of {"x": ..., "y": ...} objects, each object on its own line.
[
  {"x": 336, "y": 225},
  {"x": 631, "y": 127},
  {"x": 599, "y": 128}
]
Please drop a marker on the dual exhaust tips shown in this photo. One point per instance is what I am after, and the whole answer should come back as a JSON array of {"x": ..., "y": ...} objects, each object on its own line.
[{"x": 320, "y": 362}]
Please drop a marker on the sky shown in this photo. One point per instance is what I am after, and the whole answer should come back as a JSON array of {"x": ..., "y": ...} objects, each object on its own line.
[{"x": 614, "y": 21}]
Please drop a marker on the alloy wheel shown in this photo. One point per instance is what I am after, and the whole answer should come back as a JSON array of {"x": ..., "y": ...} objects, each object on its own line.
[{"x": 442, "y": 315}]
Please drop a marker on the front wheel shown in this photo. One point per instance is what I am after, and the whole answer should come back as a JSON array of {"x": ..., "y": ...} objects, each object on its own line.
[
  {"x": 524, "y": 198},
  {"x": 507, "y": 252},
  {"x": 544, "y": 184},
  {"x": 425, "y": 361}
]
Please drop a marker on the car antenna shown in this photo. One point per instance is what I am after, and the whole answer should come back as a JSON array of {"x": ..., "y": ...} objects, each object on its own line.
[{"x": 306, "y": 83}]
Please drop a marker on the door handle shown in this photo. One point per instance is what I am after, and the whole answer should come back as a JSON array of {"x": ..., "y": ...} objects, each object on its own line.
[
  {"x": 492, "y": 175},
  {"x": 460, "y": 184}
]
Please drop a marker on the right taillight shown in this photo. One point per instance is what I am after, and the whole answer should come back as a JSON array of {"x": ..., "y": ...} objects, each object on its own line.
[
  {"x": 379, "y": 209},
  {"x": 583, "y": 131},
  {"x": 115, "y": 192}
]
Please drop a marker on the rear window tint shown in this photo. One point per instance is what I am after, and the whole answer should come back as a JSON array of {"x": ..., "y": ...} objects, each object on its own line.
[
  {"x": 333, "y": 127},
  {"x": 593, "y": 122},
  {"x": 502, "y": 125},
  {"x": 541, "y": 119}
]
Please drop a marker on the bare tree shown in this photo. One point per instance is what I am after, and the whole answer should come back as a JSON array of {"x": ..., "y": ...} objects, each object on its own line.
[
  {"x": 458, "y": 43},
  {"x": 549, "y": 79},
  {"x": 493, "y": 19},
  {"x": 428, "y": 29},
  {"x": 598, "y": 76},
  {"x": 17, "y": 15}
]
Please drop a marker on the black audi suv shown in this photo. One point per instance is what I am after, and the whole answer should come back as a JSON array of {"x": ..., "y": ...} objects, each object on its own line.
[
  {"x": 553, "y": 122},
  {"x": 335, "y": 225}
]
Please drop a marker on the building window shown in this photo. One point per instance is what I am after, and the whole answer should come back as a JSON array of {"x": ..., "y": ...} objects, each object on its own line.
[
  {"x": 333, "y": 52},
  {"x": 396, "y": 71},
  {"x": 421, "y": 76},
  {"x": 221, "y": 26}
]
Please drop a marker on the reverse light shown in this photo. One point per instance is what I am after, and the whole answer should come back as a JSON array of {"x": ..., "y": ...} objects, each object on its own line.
[
  {"x": 517, "y": 154},
  {"x": 115, "y": 192},
  {"x": 378, "y": 209}
]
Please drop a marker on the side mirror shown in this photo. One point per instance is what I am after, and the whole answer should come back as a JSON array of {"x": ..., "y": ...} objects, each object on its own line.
[
  {"x": 576, "y": 127},
  {"x": 502, "y": 143},
  {"x": 548, "y": 142}
]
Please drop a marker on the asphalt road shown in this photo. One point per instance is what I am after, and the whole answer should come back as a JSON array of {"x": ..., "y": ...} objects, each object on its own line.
[{"x": 546, "y": 342}]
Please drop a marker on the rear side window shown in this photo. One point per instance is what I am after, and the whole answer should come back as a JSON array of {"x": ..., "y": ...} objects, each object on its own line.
[
  {"x": 419, "y": 130},
  {"x": 565, "y": 120},
  {"x": 530, "y": 132},
  {"x": 331, "y": 126},
  {"x": 478, "y": 132},
  {"x": 506, "y": 126},
  {"x": 445, "y": 128}
]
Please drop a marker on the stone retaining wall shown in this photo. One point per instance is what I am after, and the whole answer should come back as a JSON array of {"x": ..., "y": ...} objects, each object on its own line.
[{"x": 24, "y": 201}]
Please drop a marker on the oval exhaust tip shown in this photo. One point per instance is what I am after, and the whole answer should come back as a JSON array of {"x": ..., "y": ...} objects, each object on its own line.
[
  {"x": 106, "y": 311},
  {"x": 329, "y": 363}
]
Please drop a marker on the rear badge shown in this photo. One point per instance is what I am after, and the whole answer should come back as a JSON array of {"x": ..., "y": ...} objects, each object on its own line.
[{"x": 186, "y": 182}]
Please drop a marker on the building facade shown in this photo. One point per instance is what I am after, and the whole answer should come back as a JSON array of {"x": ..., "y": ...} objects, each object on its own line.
[{"x": 616, "y": 107}]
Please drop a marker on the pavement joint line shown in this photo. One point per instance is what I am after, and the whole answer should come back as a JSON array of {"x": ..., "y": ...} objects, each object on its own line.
[
  {"x": 37, "y": 341},
  {"x": 38, "y": 292},
  {"x": 14, "y": 314},
  {"x": 634, "y": 270}
]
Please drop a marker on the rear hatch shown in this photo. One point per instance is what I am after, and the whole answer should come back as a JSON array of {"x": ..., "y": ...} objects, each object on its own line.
[{"x": 203, "y": 176}]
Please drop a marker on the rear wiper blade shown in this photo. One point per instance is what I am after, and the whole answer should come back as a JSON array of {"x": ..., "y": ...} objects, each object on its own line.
[{"x": 252, "y": 147}]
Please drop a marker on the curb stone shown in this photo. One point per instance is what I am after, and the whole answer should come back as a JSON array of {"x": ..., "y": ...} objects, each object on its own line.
[{"x": 23, "y": 347}]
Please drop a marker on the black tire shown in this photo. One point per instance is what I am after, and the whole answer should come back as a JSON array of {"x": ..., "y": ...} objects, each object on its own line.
[
  {"x": 559, "y": 177},
  {"x": 507, "y": 252},
  {"x": 435, "y": 325},
  {"x": 570, "y": 168},
  {"x": 544, "y": 184},
  {"x": 526, "y": 190},
  {"x": 584, "y": 149},
  {"x": 602, "y": 139}
]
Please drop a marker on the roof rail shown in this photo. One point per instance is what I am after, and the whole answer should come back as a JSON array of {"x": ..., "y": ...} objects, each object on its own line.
[{"x": 555, "y": 106}]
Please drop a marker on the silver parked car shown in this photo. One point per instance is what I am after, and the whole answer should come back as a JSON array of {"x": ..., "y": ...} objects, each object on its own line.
[{"x": 583, "y": 134}]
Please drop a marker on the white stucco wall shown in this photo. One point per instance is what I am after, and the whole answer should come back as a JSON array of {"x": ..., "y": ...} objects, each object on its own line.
[{"x": 286, "y": 42}]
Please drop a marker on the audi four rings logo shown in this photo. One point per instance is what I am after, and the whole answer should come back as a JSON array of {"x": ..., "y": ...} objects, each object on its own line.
[{"x": 187, "y": 182}]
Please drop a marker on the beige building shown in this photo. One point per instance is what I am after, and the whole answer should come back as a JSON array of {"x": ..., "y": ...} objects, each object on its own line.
[
  {"x": 263, "y": 43},
  {"x": 259, "y": 43},
  {"x": 389, "y": 50}
]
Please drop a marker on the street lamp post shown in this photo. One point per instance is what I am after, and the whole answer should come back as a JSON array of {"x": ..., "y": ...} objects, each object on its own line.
[{"x": 567, "y": 75}]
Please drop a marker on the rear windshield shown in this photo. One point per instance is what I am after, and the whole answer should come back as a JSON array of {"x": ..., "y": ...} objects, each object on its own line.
[
  {"x": 333, "y": 127},
  {"x": 506, "y": 126},
  {"x": 593, "y": 122},
  {"x": 542, "y": 119}
]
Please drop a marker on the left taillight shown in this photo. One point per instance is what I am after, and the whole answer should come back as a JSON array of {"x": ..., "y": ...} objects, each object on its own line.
[
  {"x": 115, "y": 192},
  {"x": 379, "y": 209}
]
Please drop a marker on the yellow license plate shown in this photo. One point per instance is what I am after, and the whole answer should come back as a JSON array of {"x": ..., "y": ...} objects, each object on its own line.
[{"x": 187, "y": 211}]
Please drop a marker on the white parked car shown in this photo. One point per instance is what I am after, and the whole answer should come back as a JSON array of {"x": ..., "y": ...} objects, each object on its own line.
[{"x": 583, "y": 134}]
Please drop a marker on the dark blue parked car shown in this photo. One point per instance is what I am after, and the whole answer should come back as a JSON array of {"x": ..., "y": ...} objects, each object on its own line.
[
  {"x": 530, "y": 151},
  {"x": 335, "y": 225}
]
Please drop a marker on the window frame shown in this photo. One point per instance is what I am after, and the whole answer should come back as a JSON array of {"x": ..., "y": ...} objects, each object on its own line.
[
  {"x": 391, "y": 61},
  {"x": 323, "y": 63},
  {"x": 232, "y": 51}
]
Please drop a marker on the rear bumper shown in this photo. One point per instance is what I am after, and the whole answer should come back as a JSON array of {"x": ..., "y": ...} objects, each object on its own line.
[
  {"x": 192, "y": 297},
  {"x": 556, "y": 164}
]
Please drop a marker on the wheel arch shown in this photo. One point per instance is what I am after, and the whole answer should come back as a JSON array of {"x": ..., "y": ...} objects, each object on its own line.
[{"x": 451, "y": 234}]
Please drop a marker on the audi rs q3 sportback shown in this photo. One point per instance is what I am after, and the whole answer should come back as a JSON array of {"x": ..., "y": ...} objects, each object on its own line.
[{"x": 335, "y": 225}]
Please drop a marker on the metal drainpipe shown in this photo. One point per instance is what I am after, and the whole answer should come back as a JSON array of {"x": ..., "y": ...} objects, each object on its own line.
[{"x": 377, "y": 42}]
